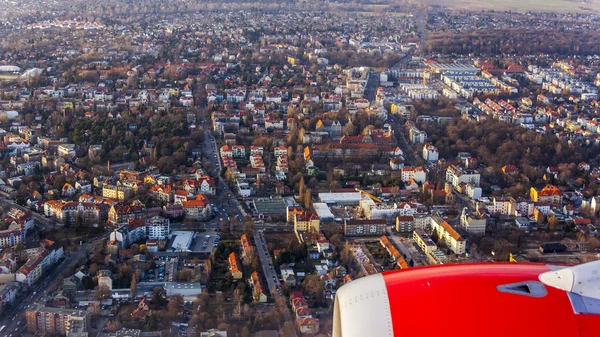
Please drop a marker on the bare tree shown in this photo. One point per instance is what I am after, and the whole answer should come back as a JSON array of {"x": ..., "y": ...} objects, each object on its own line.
[
  {"x": 346, "y": 256},
  {"x": 207, "y": 269},
  {"x": 314, "y": 285},
  {"x": 175, "y": 305},
  {"x": 103, "y": 292},
  {"x": 134, "y": 287}
]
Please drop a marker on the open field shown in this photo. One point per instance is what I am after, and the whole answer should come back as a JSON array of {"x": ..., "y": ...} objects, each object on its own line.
[{"x": 559, "y": 6}]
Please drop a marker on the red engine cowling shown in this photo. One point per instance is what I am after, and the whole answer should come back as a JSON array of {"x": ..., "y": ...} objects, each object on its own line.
[{"x": 463, "y": 300}]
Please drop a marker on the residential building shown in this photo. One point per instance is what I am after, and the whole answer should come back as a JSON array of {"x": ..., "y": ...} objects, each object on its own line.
[
  {"x": 162, "y": 193},
  {"x": 453, "y": 240},
  {"x": 117, "y": 192},
  {"x": 213, "y": 333},
  {"x": 8, "y": 293},
  {"x": 430, "y": 152},
  {"x": 405, "y": 223},
  {"x": 66, "y": 150},
  {"x": 86, "y": 212},
  {"x": 548, "y": 194},
  {"x": 416, "y": 135},
  {"x": 501, "y": 206},
  {"x": 258, "y": 294},
  {"x": 154, "y": 228},
  {"x": 58, "y": 321},
  {"x": 12, "y": 236},
  {"x": 197, "y": 208},
  {"x": 32, "y": 270},
  {"x": 122, "y": 212},
  {"x": 424, "y": 241},
  {"x": 307, "y": 222},
  {"x": 474, "y": 224},
  {"x": 307, "y": 325},
  {"x": 473, "y": 191},
  {"x": 83, "y": 186},
  {"x": 456, "y": 175},
  {"x": 105, "y": 279},
  {"x": 246, "y": 245},
  {"x": 68, "y": 190},
  {"x": 367, "y": 227},
  {"x": 204, "y": 185},
  {"x": 157, "y": 228},
  {"x": 238, "y": 151},
  {"x": 235, "y": 267},
  {"x": 394, "y": 253}
]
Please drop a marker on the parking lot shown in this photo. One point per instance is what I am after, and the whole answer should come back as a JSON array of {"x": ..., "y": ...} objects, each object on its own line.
[
  {"x": 159, "y": 274},
  {"x": 206, "y": 242}
]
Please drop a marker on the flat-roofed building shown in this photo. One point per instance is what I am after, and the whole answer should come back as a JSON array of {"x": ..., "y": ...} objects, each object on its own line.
[
  {"x": 367, "y": 227},
  {"x": 58, "y": 321},
  {"x": 342, "y": 198},
  {"x": 405, "y": 223},
  {"x": 424, "y": 241},
  {"x": 118, "y": 192},
  {"x": 181, "y": 241},
  {"x": 274, "y": 205}
]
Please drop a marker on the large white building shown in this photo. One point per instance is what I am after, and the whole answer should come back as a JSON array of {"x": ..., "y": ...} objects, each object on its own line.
[
  {"x": 415, "y": 173},
  {"x": 430, "y": 152},
  {"x": 453, "y": 240},
  {"x": 474, "y": 224},
  {"x": 158, "y": 228},
  {"x": 500, "y": 205},
  {"x": 473, "y": 192},
  {"x": 416, "y": 135},
  {"x": 343, "y": 198},
  {"x": 154, "y": 228},
  {"x": 456, "y": 175}
]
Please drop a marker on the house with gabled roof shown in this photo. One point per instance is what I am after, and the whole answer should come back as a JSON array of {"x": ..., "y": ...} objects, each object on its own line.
[
  {"x": 235, "y": 266},
  {"x": 258, "y": 294}
]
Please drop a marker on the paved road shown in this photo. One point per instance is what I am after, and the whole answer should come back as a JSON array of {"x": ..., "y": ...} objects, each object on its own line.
[
  {"x": 371, "y": 86},
  {"x": 231, "y": 206},
  {"x": 266, "y": 262},
  {"x": 399, "y": 244},
  {"x": 463, "y": 201},
  {"x": 409, "y": 153},
  {"x": 41, "y": 220},
  {"x": 13, "y": 318}
]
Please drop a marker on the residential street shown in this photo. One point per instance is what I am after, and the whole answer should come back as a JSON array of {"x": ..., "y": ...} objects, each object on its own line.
[
  {"x": 46, "y": 285},
  {"x": 266, "y": 261}
]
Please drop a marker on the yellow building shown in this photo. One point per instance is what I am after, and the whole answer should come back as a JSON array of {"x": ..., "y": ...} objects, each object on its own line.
[{"x": 550, "y": 194}]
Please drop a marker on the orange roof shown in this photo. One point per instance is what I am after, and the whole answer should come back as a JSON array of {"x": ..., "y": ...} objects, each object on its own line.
[
  {"x": 161, "y": 188},
  {"x": 306, "y": 216},
  {"x": 402, "y": 263},
  {"x": 245, "y": 242},
  {"x": 181, "y": 193},
  {"x": 451, "y": 231},
  {"x": 550, "y": 190},
  {"x": 233, "y": 263},
  {"x": 200, "y": 201}
]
